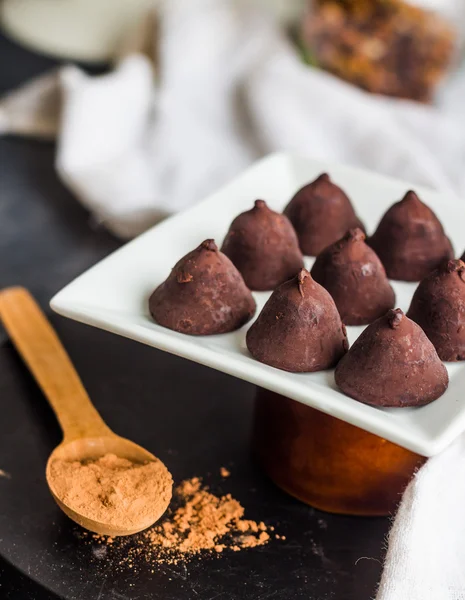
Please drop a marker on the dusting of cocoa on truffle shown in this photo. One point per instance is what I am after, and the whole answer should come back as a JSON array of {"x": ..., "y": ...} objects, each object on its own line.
[
  {"x": 299, "y": 328},
  {"x": 438, "y": 306},
  {"x": 203, "y": 295},
  {"x": 392, "y": 363},
  {"x": 321, "y": 213},
  {"x": 356, "y": 279},
  {"x": 263, "y": 246},
  {"x": 410, "y": 240}
]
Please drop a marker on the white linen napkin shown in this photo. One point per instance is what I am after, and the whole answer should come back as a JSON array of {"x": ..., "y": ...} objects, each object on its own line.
[
  {"x": 426, "y": 553},
  {"x": 231, "y": 89}
]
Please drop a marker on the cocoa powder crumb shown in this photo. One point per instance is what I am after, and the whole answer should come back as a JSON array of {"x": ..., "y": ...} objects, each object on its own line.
[
  {"x": 199, "y": 522},
  {"x": 224, "y": 472},
  {"x": 250, "y": 541},
  {"x": 113, "y": 490},
  {"x": 188, "y": 487},
  {"x": 247, "y": 526},
  {"x": 205, "y": 522}
]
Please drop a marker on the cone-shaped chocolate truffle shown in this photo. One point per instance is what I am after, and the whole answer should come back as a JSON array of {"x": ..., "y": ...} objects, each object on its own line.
[
  {"x": 204, "y": 294},
  {"x": 321, "y": 213},
  {"x": 438, "y": 306},
  {"x": 392, "y": 363},
  {"x": 299, "y": 328},
  {"x": 410, "y": 240},
  {"x": 264, "y": 247},
  {"x": 355, "y": 278}
]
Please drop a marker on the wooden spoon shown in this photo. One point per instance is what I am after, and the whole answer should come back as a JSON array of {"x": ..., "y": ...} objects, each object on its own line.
[{"x": 86, "y": 436}]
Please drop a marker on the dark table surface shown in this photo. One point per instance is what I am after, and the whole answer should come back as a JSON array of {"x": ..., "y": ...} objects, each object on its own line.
[{"x": 47, "y": 239}]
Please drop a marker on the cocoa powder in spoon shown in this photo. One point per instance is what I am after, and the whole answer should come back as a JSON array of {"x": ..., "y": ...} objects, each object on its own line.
[{"x": 112, "y": 489}]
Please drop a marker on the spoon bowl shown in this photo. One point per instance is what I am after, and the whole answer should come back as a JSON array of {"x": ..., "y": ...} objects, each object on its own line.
[
  {"x": 90, "y": 449},
  {"x": 86, "y": 436}
]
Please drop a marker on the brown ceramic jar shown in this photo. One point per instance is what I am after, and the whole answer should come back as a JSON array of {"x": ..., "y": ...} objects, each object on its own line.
[{"x": 327, "y": 463}]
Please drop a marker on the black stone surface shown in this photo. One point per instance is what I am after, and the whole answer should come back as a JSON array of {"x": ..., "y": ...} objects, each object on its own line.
[{"x": 194, "y": 418}]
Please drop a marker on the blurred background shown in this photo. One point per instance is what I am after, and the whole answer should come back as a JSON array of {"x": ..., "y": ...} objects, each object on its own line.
[
  {"x": 352, "y": 38},
  {"x": 387, "y": 46},
  {"x": 193, "y": 91}
]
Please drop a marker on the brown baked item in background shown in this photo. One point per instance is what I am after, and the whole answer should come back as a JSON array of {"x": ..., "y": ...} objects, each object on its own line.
[{"x": 384, "y": 46}]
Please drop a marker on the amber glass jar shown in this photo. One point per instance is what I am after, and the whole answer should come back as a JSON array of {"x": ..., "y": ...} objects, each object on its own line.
[{"x": 326, "y": 462}]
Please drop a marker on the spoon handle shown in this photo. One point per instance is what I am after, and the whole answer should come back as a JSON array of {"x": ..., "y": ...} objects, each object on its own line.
[{"x": 42, "y": 351}]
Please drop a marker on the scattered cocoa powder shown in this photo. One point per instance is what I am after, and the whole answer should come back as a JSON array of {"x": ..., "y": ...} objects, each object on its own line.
[
  {"x": 205, "y": 522},
  {"x": 199, "y": 523},
  {"x": 224, "y": 472},
  {"x": 113, "y": 490}
]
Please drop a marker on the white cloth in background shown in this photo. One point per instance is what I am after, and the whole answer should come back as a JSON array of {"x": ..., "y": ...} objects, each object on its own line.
[
  {"x": 102, "y": 145},
  {"x": 230, "y": 89},
  {"x": 426, "y": 554}
]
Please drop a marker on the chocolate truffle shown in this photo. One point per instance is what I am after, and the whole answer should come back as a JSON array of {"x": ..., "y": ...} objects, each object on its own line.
[
  {"x": 264, "y": 247},
  {"x": 355, "y": 278},
  {"x": 321, "y": 213},
  {"x": 204, "y": 294},
  {"x": 392, "y": 363},
  {"x": 410, "y": 240},
  {"x": 438, "y": 306},
  {"x": 299, "y": 328},
  {"x": 463, "y": 257}
]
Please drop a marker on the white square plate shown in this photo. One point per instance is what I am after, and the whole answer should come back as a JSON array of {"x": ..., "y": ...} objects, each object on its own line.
[{"x": 113, "y": 296}]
